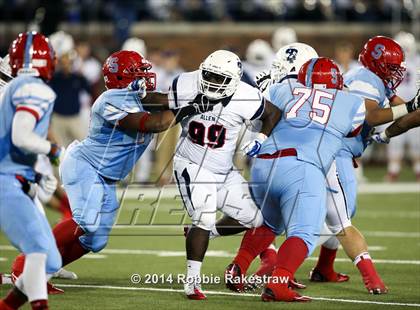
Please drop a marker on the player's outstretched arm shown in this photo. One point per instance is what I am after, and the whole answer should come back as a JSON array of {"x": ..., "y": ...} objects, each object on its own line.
[
  {"x": 155, "y": 101},
  {"x": 378, "y": 116},
  {"x": 270, "y": 117},
  {"x": 161, "y": 121},
  {"x": 403, "y": 124}
]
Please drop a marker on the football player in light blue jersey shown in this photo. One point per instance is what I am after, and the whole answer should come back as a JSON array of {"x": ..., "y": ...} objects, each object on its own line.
[
  {"x": 289, "y": 174},
  {"x": 25, "y": 110},
  {"x": 119, "y": 132},
  {"x": 383, "y": 70}
]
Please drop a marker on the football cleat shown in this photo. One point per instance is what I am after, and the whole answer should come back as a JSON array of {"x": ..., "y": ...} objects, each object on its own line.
[
  {"x": 295, "y": 284},
  {"x": 4, "y": 306},
  {"x": 282, "y": 293},
  {"x": 65, "y": 274},
  {"x": 376, "y": 287},
  {"x": 53, "y": 290},
  {"x": 316, "y": 276},
  {"x": 233, "y": 278},
  {"x": 194, "y": 292}
]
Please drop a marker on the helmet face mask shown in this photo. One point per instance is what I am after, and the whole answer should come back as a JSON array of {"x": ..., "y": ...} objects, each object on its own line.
[{"x": 219, "y": 75}]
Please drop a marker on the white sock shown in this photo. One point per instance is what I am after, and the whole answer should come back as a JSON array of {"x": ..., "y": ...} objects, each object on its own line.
[
  {"x": 214, "y": 233},
  {"x": 193, "y": 269},
  {"x": 34, "y": 277},
  {"x": 360, "y": 257}
]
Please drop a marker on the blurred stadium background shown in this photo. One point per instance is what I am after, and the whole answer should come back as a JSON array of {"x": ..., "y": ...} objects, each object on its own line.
[{"x": 176, "y": 35}]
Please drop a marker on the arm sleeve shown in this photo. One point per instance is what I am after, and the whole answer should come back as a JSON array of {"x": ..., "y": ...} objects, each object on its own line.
[
  {"x": 23, "y": 136},
  {"x": 34, "y": 98},
  {"x": 117, "y": 105},
  {"x": 366, "y": 90},
  {"x": 173, "y": 101}
]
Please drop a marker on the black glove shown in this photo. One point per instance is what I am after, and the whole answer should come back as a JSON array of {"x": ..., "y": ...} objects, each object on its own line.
[
  {"x": 200, "y": 104},
  {"x": 414, "y": 104}
]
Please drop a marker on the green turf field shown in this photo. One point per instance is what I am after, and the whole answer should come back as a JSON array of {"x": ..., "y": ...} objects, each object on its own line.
[{"x": 391, "y": 223}]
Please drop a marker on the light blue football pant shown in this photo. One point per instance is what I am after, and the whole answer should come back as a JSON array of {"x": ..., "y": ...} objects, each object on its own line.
[
  {"x": 292, "y": 197},
  {"x": 24, "y": 224},
  {"x": 93, "y": 200}
]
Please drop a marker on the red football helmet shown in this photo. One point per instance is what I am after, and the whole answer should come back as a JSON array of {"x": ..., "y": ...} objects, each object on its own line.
[
  {"x": 32, "y": 52},
  {"x": 384, "y": 57},
  {"x": 321, "y": 71},
  {"x": 123, "y": 67}
]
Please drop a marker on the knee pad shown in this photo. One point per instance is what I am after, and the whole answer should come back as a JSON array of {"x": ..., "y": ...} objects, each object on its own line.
[
  {"x": 205, "y": 220},
  {"x": 255, "y": 220},
  {"x": 335, "y": 229}
]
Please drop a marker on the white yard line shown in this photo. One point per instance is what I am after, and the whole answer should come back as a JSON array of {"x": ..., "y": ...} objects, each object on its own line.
[
  {"x": 212, "y": 253},
  {"x": 168, "y": 290}
]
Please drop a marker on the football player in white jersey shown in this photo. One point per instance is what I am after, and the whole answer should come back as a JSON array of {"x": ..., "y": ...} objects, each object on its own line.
[{"x": 203, "y": 167}]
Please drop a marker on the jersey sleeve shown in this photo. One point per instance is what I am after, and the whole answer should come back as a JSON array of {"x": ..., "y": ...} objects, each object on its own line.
[
  {"x": 33, "y": 97},
  {"x": 368, "y": 88},
  {"x": 358, "y": 118},
  {"x": 173, "y": 101},
  {"x": 119, "y": 103},
  {"x": 254, "y": 103}
]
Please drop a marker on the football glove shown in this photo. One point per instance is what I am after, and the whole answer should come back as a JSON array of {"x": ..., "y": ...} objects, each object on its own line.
[
  {"x": 263, "y": 80},
  {"x": 252, "y": 148},
  {"x": 379, "y": 137},
  {"x": 138, "y": 86},
  {"x": 56, "y": 154},
  {"x": 414, "y": 104},
  {"x": 202, "y": 104},
  {"x": 47, "y": 186}
]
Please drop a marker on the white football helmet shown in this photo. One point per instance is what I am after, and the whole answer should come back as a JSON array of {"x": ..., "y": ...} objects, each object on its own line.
[
  {"x": 283, "y": 36},
  {"x": 220, "y": 74},
  {"x": 135, "y": 45},
  {"x": 259, "y": 53},
  {"x": 62, "y": 43},
  {"x": 407, "y": 42},
  {"x": 289, "y": 59}
]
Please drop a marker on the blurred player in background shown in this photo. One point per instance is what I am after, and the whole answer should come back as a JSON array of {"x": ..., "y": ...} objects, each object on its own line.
[
  {"x": 344, "y": 56},
  {"x": 407, "y": 90},
  {"x": 258, "y": 57},
  {"x": 27, "y": 104},
  {"x": 67, "y": 123},
  {"x": 283, "y": 36}
]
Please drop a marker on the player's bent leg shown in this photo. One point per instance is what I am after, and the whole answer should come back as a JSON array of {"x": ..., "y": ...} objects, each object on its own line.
[
  {"x": 302, "y": 203},
  {"x": 355, "y": 246}
]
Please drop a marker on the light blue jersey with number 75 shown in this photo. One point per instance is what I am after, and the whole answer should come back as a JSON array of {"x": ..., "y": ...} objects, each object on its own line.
[{"x": 314, "y": 121}]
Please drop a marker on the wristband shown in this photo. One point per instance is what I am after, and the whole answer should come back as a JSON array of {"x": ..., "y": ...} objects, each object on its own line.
[
  {"x": 399, "y": 111},
  {"x": 142, "y": 122}
]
